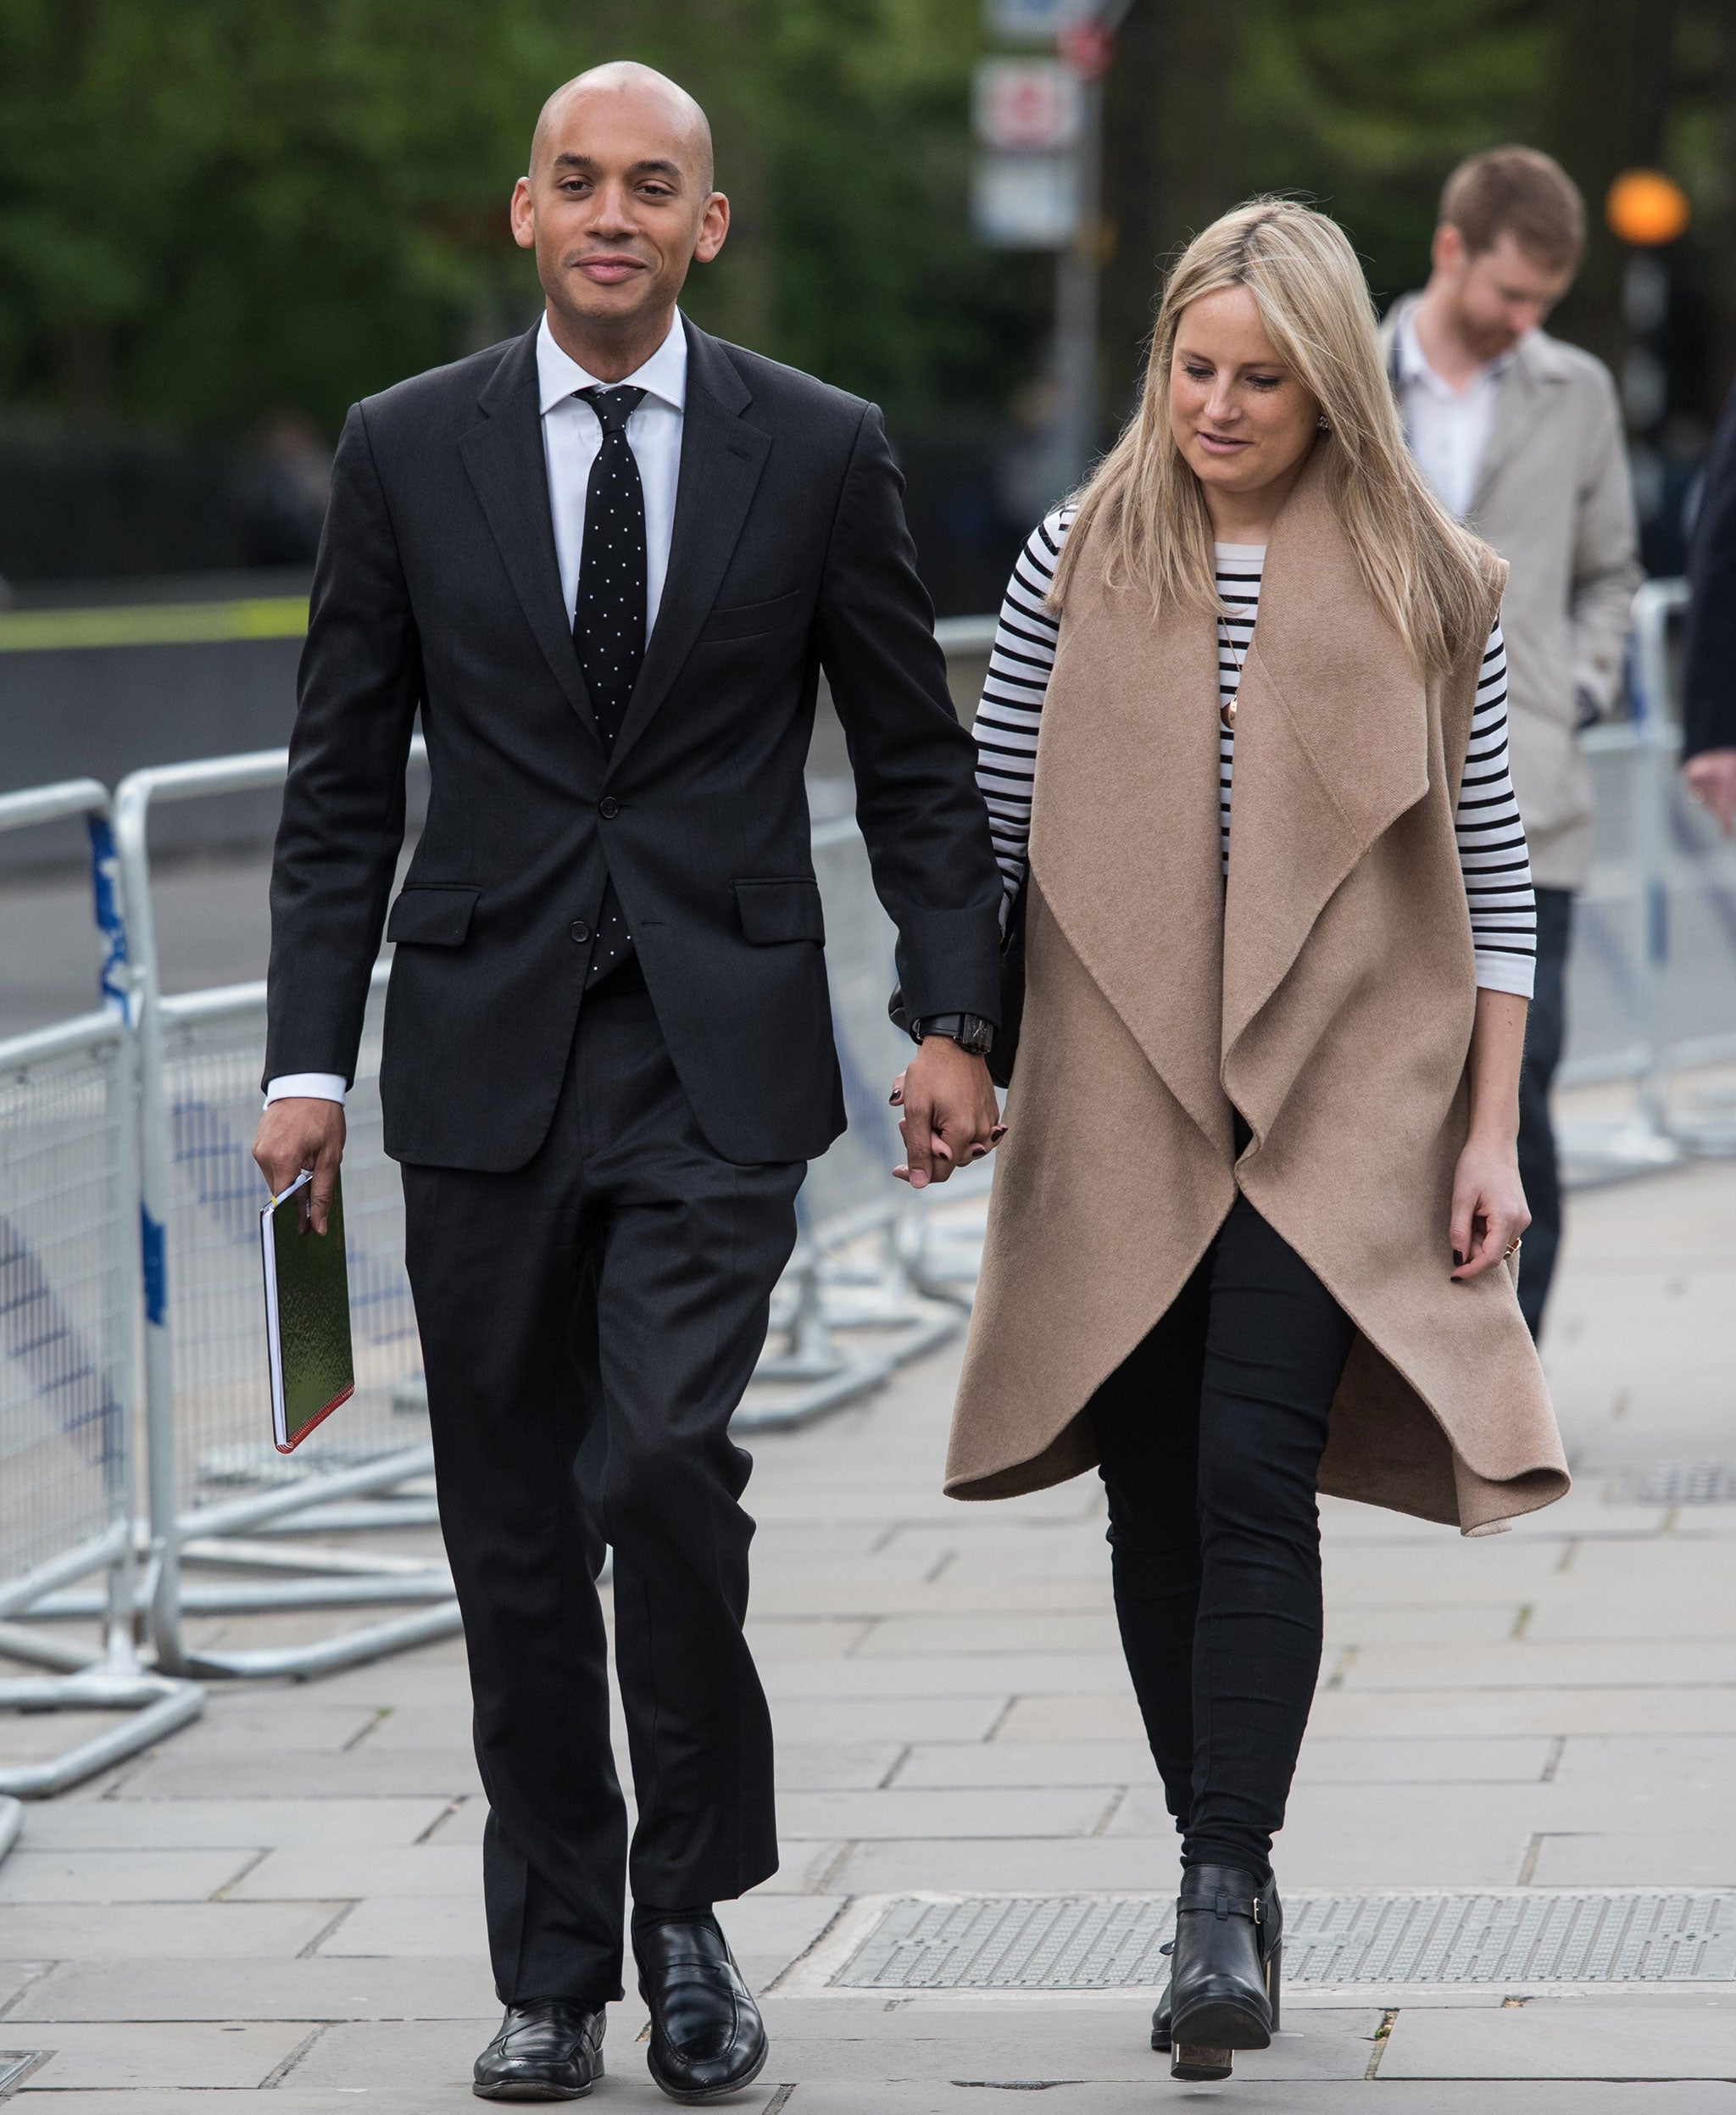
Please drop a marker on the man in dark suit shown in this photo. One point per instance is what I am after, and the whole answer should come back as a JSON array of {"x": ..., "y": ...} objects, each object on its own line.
[
  {"x": 606, "y": 562},
  {"x": 1709, "y": 652}
]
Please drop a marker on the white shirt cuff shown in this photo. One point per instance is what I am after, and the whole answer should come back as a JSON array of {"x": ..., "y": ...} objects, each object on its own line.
[
  {"x": 1515, "y": 973},
  {"x": 308, "y": 1086}
]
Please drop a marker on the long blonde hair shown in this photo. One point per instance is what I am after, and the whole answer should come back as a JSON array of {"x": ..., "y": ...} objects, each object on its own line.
[{"x": 1428, "y": 577}]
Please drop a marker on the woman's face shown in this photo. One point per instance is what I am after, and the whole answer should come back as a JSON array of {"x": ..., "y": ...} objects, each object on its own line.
[{"x": 1241, "y": 418}]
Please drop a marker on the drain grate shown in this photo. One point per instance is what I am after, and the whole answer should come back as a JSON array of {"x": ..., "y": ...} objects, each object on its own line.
[
  {"x": 1677, "y": 1483},
  {"x": 1081, "y": 1942}
]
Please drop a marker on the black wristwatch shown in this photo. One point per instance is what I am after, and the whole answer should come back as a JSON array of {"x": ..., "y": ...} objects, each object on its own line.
[{"x": 970, "y": 1032}]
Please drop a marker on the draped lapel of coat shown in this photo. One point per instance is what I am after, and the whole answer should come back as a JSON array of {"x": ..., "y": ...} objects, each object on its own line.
[
  {"x": 1331, "y": 748},
  {"x": 1124, "y": 841}
]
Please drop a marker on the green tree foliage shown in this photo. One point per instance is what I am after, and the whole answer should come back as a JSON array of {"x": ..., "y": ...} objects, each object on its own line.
[
  {"x": 1364, "y": 106},
  {"x": 214, "y": 211}
]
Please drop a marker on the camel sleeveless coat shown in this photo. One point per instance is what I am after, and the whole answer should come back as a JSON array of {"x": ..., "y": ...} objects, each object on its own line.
[{"x": 1327, "y": 993}]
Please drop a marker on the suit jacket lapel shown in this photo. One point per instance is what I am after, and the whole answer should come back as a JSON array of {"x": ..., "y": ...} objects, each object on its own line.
[
  {"x": 504, "y": 456},
  {"x": 722, "y": 457}
]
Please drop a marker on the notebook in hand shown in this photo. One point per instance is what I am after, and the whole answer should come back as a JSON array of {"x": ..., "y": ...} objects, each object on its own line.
[{"x": 307, "y": 1313}]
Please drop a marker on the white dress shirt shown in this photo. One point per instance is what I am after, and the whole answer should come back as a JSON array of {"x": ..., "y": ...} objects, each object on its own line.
[
  {"x": 572, "y": 438},
  {"x": 1448, "y": 429}
]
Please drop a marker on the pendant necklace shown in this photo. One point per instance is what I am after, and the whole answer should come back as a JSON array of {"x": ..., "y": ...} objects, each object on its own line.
[{"x": 1227, "y": 710}]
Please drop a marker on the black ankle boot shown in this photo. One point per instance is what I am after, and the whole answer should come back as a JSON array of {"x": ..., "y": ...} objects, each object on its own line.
[
  {"x": 1161, "y": 2036},
  {"x": 1223, "y": 1993}
]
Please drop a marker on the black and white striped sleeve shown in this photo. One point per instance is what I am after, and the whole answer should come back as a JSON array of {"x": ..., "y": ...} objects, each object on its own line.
[
  {"x": 1009, "y": 716},
  {"x": 1493, "y": 857}
]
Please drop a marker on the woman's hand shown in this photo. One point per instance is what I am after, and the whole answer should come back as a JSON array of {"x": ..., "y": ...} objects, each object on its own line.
[
  {"x": 1490, "y": 1211},
  {"x": 950, "y": 1116}
]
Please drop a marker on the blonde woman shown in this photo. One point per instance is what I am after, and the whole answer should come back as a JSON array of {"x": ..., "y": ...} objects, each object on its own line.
[{"x": 1245, "y": 731}]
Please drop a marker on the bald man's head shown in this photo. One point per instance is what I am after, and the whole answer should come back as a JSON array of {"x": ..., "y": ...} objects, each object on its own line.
[
  {"x": 618, "y": 205},
  {"x": 624, "y": 81}
]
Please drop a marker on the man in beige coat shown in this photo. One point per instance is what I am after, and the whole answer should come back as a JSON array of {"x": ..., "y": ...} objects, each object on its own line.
[{"x": 1520, "y": 435}]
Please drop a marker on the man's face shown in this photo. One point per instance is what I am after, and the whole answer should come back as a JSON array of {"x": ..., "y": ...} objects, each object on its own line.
[
  {"x": 1499, "y": 294},
  {"x": 617, "y": 205}
]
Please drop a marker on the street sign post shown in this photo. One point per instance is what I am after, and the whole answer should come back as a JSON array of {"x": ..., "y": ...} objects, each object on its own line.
[
  {"x": 1033, "y": 21},
  {"x": 1027, "y": 106},
  {"x": 1025, "y": 202}
]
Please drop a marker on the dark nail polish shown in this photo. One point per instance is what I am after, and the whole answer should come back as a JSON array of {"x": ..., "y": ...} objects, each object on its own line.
[{"x": 1458, "y": 1259}]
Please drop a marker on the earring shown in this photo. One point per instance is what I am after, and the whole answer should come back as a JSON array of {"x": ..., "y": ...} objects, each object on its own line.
[{"x": 1324, "y": 423}]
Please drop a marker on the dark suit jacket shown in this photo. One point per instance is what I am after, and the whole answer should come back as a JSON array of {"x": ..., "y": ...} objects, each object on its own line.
[
  {"x": 1709, "y": 662},
  {"x": 437, "y": 589}
]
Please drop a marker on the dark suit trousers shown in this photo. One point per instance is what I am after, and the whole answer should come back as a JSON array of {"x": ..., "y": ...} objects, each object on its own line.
[
  {"x": 589, "y": 1323},
  {"x": 1546, "y": 1031},
  {"x": 1210, "y": 1438}
]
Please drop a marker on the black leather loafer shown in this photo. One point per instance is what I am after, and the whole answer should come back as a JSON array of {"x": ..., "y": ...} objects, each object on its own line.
[
  {"x": 544, "y": 2052},
  {"x": 707, "y": 2038},
  {"x": 1223, "y": 1992}
]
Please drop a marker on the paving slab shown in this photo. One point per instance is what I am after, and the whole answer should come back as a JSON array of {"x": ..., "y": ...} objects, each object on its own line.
[
  {"x": 1615, "y": 1855},
  {"x": 1246, "y": 2091},
  {"x": 1031, "y": 2045},
  {"x": 330, "y": 1875},
  {"x": 365, "y": 1773},
  {"x": 228, "y": 1989},
  {"x": 61, "y": 1877},
  {"x": 803, "y": 1722},
  {"x": 1572, "y": 2039},
  {"x": 950, "y": 1675},
  {"x": 945, "y": 1764},
  {"x": 1025, "y": 1811},
  {"x": 177, "y": 1931},
  {"x": 249, "y": 1824},
  {"x": 188, "y": 2054}
]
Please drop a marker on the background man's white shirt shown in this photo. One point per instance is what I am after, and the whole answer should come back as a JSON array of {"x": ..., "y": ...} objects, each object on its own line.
[
  {"x": 572, "y": 437},
  {"x": 1448, "y": 429}
]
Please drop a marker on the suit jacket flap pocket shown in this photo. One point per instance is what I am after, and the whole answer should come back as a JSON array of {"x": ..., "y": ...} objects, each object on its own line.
[
  {"x": 775, "y": 911},
  {"x": 432, "y": 917}
]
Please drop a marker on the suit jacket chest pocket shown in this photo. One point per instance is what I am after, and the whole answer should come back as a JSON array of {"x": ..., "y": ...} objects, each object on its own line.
[
  {"x": 752, "y": 620},
  {"x": 432, "y": 917},
  {"x": 777, "y": 910}
]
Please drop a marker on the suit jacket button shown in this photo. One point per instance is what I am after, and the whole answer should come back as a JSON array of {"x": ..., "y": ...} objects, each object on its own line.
[
  {"x": 608, "y": 807},
  {"x": 580, "y": 930}
]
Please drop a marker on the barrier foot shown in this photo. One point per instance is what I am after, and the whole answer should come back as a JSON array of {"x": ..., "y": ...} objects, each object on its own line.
[
  {"x": 11, "y": 1821},
  {"x": 158, "y": 1707},
  {"x": 349, "y": 1648},
  {"x": 1595, "y": 1150}
]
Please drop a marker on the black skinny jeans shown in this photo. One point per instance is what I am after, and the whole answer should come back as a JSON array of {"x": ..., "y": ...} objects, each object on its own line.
[{"x": 1209, "y": 1437}]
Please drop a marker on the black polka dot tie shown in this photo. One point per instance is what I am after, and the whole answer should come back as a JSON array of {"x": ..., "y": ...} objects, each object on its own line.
[{"x": 608, "y": 622}]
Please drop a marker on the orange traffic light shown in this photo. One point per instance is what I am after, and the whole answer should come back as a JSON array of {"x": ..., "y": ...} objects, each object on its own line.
[{"x": 1645, "y": 208}]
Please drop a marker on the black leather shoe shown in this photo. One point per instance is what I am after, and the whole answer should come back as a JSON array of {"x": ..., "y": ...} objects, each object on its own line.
[
  {"x": 549, "y": 2051},
  {"x": 1228, "y": 1955},
  {"x": 1160, "y": 2035},
  {"x": 707, "y": 2038}
]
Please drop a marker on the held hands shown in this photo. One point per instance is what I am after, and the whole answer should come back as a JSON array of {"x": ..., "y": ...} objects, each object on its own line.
[
  {"x": 950, "y": 1116},
  {"x": 296, "y": 1133},
  {"x": 1490, "y": 1211}
]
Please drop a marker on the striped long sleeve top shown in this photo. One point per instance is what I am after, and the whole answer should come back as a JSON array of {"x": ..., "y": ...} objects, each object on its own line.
[{"x": 1492, "y": 858}]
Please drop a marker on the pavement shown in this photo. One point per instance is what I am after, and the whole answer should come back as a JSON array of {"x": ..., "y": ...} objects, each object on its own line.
[{"x": 284, "y": 1899}]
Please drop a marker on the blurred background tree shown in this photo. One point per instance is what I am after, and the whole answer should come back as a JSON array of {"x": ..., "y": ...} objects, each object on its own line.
[{"x": 220, "y": 223}]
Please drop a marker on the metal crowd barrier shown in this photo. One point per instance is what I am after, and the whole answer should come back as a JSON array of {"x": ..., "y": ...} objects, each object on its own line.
[
  {"x": 69, "y": 1257},
  {"x": 868, "y": 1289},
  {"x": 1652, "y": 975},
  {"x": 220, "y": 1494}
]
